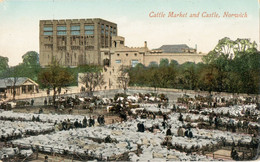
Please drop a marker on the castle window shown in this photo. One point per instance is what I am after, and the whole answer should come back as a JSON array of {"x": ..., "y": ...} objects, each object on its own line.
[
  {"x": 47, "y": 30},
  {"x": 134, "y": 63},
  {"x": 75, "y": 27},
  {"x": 118, "y": 61},
  {"x": 89, "y": 32},
  {"x": 47, "y": 33},
  {"x": 89, "y": 29},
  {"x": 61, "y": 33},
  {"x": 135, "y": 54},
  {"x": 75, "y": 30},
  {"x": 61, "y": 30},
  {"x": 126, "y": 54},
  {"x": 118, "y": 54}
]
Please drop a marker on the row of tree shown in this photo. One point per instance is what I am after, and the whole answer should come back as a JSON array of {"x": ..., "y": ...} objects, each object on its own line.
[
  {"x": 232, "y": 66},
  {"x": 53, "y": 77}
]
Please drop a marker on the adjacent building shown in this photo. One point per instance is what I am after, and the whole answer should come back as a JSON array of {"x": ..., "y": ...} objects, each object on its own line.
[
  {"x": 21, "y": 85},
  {"x": 119, "y": 55},
  {"x": 74, "y": 42}
]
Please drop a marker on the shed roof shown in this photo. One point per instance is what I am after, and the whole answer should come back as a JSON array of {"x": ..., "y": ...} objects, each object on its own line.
[
  {"x": 7, "y": 82},
  {"x": 175, "y": 48}
]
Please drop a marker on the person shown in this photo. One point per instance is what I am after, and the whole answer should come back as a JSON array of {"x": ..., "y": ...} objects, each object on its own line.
[
  {"x": 103, "y": 119},
  {"x": 85, "y": 122},
  {"x": 174, "y": 108},
  {"x": 40, "y": 111},
  {"x": 169, "y": 132},
  {"x": 80, "y": 125},
  {"x": 46, "y": 158},
  {"x": 180, "y": 132},
  {"x": 76, "y": 123},
  {"x": 186, "y": 133},
  {"x": 93, "y": 121},
  {"x": 70, "y": 110},
  {"x": 33, "y": 118},
  {"x": 64, "y": 125},
  {"x": 210, "y": 119},
  {"x": 190, "y": 135},
  {"x": 45, "y": 101},
  {"x": 38, "y": 118},
  {"x": 234, "y": 154},
  {"x": 142, "y": 127},
  {"x": 164, "y": 124},
  {"x": 181, "y": 117},
  {"x": 108, "y": 139},
  {"x": 164, "y": 117},
  {"x": 90, "y": 122},
  {"x": 99, "y": 119},
  {"x": 216, "y": 122},
  {"x": 254, "y": 141},
  {"x": 138, "y": 127},
  {"x": 32, "y": 102}
]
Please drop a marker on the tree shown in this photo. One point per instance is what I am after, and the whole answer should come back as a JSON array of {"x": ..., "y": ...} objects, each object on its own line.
[
  {"x": 55, "y": 77},
  {"x": 31, "y": 59},
  {"x": 208, "y": 78},
  {"x": 3, "y": 64},
  {"x": 189, "y": 75},
  {"x": 244, "y": 45},
  {"x": 225, "y": 46},
  {"x": 164, "y": 62},
  {"x": 174, "y": 63},
  {"x": 123, "y": 77},
  {"x": 153, "y": 78},
  {"x": 11, "y": 76},
  {"x": 137, "y": 75},
  {"x": 91, "y": 80}
]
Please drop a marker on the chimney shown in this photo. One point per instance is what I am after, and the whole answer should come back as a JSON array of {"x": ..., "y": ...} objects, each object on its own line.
[{"x": 145, "y": 44}]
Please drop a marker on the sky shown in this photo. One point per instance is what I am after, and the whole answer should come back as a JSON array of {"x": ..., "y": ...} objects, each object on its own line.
[{"x": 19, "y": 21}]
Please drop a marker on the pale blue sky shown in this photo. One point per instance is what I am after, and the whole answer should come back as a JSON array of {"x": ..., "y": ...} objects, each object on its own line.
[{"x": 19, "y": 21}]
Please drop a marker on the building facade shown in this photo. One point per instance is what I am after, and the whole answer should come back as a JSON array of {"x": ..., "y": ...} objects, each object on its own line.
[
  {"x": 21, "y": 85},
  {"x": 119, "y": 55},
  {"x": 74, "y": 42}
]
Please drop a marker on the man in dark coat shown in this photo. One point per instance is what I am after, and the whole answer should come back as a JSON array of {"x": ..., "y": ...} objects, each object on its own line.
[
  {"x": 181, "y": 117},
  {"x": 76, "y": 123},
  {"x": 169, "y": 132},
  {"x": 85, "y": 122}
]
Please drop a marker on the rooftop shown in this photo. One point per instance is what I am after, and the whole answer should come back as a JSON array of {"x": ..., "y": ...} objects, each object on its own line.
[
  {"x": 7, "y": 82},
  {"x": 176, "y": 48}
]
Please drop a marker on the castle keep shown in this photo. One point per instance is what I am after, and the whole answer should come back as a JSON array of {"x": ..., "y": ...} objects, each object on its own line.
[{"x": 74, "y": 42}]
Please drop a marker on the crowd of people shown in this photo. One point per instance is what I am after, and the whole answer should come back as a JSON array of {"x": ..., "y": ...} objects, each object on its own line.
[{"x": 68, "y": 124}]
